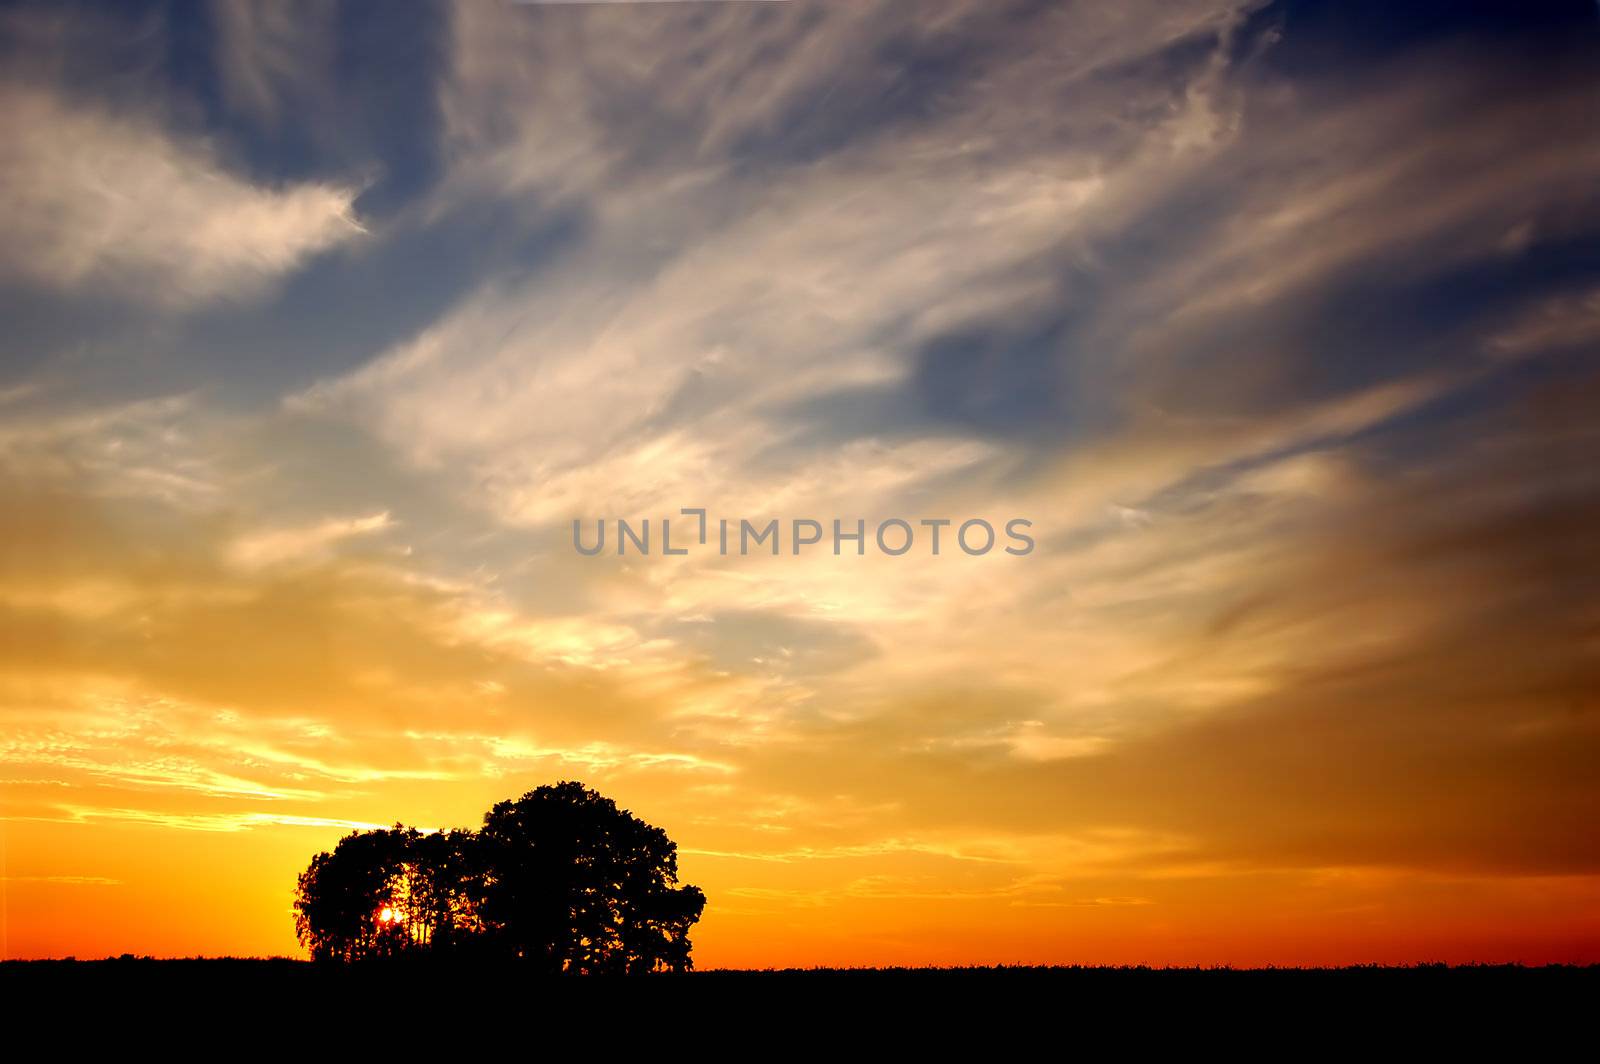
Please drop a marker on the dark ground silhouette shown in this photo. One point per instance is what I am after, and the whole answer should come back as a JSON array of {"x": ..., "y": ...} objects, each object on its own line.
[
  {"x": 1009, "y": 1012},
  {"x": 1528, "y": 1003}
]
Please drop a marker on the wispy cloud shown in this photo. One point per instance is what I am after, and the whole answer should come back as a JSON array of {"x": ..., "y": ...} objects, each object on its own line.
[
  {"x": 307, "y": 543},
  {"x": 104, "y": 200}
]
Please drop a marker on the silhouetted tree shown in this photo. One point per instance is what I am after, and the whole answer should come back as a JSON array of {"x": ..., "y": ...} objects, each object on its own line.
[
  {"x": 577, "y": 884},
  {"x": 346, "y": 901},
  {"x": 560, "y": 878},
  {"x": 448, "y": 881}
]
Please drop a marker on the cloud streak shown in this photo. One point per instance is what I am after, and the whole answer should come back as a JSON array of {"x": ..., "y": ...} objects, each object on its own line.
[{"x": 110, "y": 202}]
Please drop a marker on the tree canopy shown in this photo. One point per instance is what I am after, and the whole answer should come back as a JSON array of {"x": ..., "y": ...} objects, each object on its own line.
[{"x": 560, "y": 878}]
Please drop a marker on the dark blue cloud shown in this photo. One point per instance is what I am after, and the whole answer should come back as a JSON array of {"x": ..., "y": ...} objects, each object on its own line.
[
  {"x": 1321, "y": 39},
  {"x": 1418, "y": 302},
  {"x": 375, "y": 117},
  {"x": 372, "y": 115},
  {"x": 350, "y": 306}
]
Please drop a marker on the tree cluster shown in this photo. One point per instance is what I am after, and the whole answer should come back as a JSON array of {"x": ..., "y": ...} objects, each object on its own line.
[{"x": 560, "y": 879}]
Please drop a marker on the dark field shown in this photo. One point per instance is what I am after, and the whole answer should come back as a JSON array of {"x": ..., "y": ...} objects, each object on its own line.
[
  {"x": 1010, "y": 1009},
  {"x": 144, "y": 972}
]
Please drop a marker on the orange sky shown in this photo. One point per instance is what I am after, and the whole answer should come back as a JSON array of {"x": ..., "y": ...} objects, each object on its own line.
[{"x": 1290, "y": 362}]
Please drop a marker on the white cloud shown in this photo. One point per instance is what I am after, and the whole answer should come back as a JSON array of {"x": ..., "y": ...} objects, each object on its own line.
[
  {"x": 107, "y": 201},
  {"x": 305, "y": 542},
  {"x": 757, "y": 291}
]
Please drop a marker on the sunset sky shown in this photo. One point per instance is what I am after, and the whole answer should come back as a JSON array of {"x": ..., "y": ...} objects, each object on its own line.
[{"x": 320, "y": 324}]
